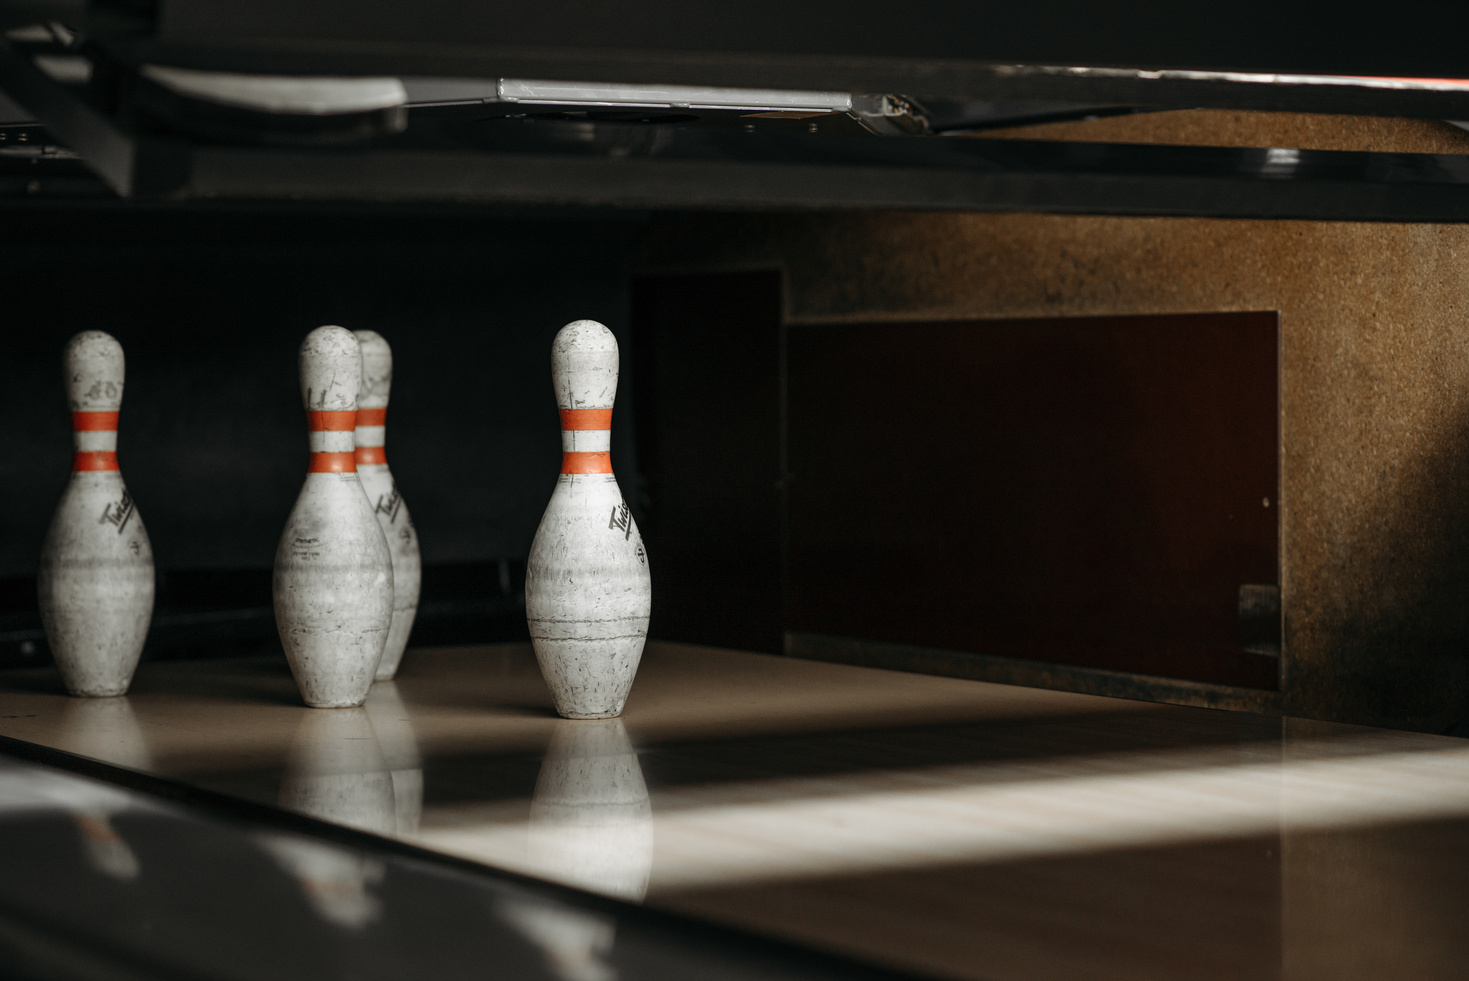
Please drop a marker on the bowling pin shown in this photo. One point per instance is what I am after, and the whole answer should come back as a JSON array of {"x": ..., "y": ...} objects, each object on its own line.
[
  {"x": 587, "y": 589},
  {"x": 382, "y": 494},
  {"x": 333, "y": 574},
  {"x": 96, "y": 580}
]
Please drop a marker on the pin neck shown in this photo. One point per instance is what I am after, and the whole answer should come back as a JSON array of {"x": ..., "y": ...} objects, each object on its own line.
[
  {"x": 573, "y": 462},
  {"x": 332, "y": 421},
  {"x": 332, "y": 463},
  {"x": 586, "y": 419},
  {"x": 94, "y": 422},
  {"x": 93, "y": 461},
  {"x": 94, "y": 440},
  {"x": 331, "y": 434},
  {"x": 370, "y": 436},
  {"x": 586, "y": 440}
]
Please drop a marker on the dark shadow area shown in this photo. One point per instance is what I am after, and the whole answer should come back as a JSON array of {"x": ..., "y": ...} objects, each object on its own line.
[
  {"x": 1085, "y": 491},
  {"x": 707, "y": 379}
]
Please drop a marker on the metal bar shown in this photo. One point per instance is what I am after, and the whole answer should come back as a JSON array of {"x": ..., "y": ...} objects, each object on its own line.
[
  {"x": 857, "y": 172},
  {"x": 916, "y": 77},
  {"x": 504, "y": 160},
  {"x": 1176, "y": 54},
  {"x": 978, "y": 50}
]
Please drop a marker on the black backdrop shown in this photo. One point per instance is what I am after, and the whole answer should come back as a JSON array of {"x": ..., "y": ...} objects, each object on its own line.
[{"x": 210, "y": 308}]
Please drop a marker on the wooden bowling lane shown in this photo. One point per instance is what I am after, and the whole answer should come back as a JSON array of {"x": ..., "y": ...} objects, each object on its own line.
[{"x": 954, "y": 828}]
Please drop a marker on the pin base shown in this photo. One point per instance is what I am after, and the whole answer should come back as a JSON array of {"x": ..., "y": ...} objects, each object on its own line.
[{"x": 336, "y": 705}]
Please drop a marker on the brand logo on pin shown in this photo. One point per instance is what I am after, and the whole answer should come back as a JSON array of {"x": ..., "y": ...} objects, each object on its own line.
[
  {"x": 621, "y": 520},
  {"x": 118, "y": 512},
  {"x": 389, "y": 504}
]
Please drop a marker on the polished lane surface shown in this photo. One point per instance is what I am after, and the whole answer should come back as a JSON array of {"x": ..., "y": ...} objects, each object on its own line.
[
  {"x": 105, "y": 882},
  {"x": 950, "y": 827}
]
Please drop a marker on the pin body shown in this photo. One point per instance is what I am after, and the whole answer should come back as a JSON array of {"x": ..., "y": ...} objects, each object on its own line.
[
  {"x": 382, "y": 494},
  {"x": 96, "y": 578},
  {"x": 333, "y": 575},
  {"x": 587, "y": 588}
]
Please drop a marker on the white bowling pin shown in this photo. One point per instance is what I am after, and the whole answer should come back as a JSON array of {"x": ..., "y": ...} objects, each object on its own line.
[
  {"x": 96, "y": 578},
  {"x": 333, "y": 574},
  {"x": 382, "y": 494},
  {"x": 587, "y": 589}
]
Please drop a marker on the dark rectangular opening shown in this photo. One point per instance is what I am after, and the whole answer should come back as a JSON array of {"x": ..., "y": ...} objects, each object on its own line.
[
  {"x": 707, "y": 391},
  {"x": 1098, "y": 492},
  {"x": 1090, "y": 491}
]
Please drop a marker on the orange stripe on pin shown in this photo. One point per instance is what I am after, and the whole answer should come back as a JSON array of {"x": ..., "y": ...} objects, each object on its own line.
[
  {"x": 372, "y": 417},
  {"x": 331, "y": 422},
  {"x": 83, "y": 461},
  {"x": 586, "y": 462},
  {"x": 371, "y": 454},
  {"x": 580, "y": 419},
  {"x": 333, "y": 462},
  {"x": 94, "y": 422}
]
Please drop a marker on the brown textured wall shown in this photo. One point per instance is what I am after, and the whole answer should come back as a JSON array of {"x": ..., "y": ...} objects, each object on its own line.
[
  {"x": 1374, "y": 392},
  {"x": 1230, "y": 127}
]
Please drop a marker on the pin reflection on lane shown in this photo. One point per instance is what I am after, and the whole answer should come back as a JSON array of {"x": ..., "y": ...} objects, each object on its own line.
[
  {"x": 336, "y": 881},
  {"x": 591, "y": 826},
  {"x": 395, "y": 738},
  {"x": 105, "y": 729},
  {"x": 211, "y": 904},
  {"x": 338, "y": 771},
  {"x": 91, "y": 808}
]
